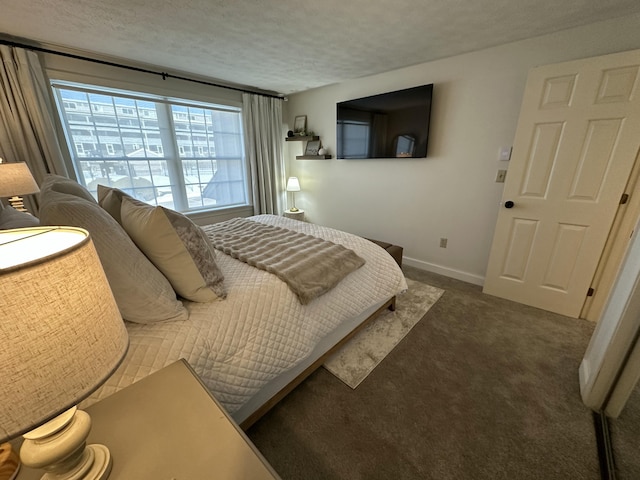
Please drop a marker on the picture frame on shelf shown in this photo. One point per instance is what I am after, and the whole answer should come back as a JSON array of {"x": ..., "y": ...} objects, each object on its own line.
[
  {"x": 313, "y": 146},
  {"x": 300, "y": 125}
]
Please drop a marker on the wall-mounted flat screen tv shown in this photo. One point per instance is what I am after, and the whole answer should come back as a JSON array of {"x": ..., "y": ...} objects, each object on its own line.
[{"x": 389, "y": 125}]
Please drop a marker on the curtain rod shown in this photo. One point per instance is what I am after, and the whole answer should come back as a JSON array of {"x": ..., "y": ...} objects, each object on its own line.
[{"x": 164, "y": 75}]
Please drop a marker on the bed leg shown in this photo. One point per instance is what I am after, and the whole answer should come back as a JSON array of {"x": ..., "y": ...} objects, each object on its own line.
[{"x": 392, "y": 304}]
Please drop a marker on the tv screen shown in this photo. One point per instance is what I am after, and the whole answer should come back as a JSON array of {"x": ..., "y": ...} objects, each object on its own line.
[{"x": 389, "y": 125}]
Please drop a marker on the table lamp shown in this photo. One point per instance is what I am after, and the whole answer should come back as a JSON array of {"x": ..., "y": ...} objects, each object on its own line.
[
  {"x": 15, "y": 180},
  {"x": 61, "y": 337},
  {"x": 293, "y": 185}
]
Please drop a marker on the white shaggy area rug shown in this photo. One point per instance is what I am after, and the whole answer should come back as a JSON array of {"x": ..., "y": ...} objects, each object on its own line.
[{"x": 364, "y": 352}]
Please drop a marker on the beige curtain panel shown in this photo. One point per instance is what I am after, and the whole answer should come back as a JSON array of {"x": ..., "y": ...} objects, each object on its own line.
[
  {"x": 262, "y": 118},
  {"x": 27, "y": 116}
]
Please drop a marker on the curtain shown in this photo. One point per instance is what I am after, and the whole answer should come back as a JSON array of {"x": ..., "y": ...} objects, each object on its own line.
[
  {"x": 262, "y": 117},
  {"x": 27, "y": 116}
]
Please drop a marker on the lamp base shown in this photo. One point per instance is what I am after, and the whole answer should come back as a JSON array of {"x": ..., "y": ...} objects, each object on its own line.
[
  {"x": 17, "y": 203},
  {"x": 58, "y": 447},
  {"x": 294, "y": 209},
  {"x": 95, "y": 465}
]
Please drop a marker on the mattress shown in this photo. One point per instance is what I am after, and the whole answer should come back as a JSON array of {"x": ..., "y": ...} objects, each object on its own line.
[{"x": 244, "y": 345}]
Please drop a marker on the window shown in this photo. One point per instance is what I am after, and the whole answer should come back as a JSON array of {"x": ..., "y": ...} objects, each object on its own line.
[{"x": 166, "y": 161}]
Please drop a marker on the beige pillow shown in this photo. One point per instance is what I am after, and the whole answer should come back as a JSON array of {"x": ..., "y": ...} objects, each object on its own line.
[
  {"x": 177, "y": 246},
  {"x": 142, "y": 293}
]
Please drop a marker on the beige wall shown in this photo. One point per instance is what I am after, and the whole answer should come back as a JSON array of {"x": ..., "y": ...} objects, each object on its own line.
[{"x": 452, "y": 193}]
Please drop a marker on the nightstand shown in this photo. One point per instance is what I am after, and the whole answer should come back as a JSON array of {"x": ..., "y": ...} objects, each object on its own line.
[
  {"x": 168, "y": 426},
  {"x": 299, "y": 215}
]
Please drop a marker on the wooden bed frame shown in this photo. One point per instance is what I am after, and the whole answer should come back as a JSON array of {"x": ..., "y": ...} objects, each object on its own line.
[{"x": 269, "y": 404}]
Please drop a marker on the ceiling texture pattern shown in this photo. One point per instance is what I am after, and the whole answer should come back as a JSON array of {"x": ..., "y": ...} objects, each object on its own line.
[{"x": 287, "y": 46}]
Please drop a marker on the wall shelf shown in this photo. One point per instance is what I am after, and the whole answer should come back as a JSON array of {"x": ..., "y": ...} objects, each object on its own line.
[
  {"x": 313, "y": 157},
  {"x": 297, "y": 138},
  {"x": 308, "y": 138}
]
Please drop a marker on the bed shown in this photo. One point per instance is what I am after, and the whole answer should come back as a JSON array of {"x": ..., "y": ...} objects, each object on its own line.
[{"x": 252, "y": 347}]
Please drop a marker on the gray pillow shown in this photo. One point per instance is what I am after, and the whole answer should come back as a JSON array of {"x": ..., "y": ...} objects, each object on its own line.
[
  {"x": 62, "y": 184},
  {"x": 12, "y": 218},
  {"x": 142, "y": 293}
]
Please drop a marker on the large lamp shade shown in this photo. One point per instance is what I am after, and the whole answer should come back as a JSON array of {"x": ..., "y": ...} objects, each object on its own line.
[{"x": 61, "y": 334}]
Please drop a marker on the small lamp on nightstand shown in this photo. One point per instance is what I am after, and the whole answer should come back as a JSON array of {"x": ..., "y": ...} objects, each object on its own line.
[
  {"x": 293, "y": 185},
  {"x": 61, "y": 337},
  {"x": 15, "y": 180}
]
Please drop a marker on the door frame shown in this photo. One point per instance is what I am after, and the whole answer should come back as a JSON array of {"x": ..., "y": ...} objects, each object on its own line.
[
  {"x": 615, "y": 248},
  {"x": 614, "y": 337}
]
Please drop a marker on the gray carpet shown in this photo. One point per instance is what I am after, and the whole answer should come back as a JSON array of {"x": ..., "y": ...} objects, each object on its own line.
[{"x": 481, "y": 388}]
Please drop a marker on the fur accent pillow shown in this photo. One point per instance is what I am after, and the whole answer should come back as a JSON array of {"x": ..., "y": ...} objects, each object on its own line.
[{"x": 177, "y": 247}]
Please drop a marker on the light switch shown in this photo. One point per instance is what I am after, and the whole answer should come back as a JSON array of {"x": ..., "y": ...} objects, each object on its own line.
[
  {"x": 500, "y": 176},
  {"x": 505, "y": 153}
]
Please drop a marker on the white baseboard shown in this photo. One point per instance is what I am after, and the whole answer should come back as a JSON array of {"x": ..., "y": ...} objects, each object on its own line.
[{"x": 446, "y": 271}]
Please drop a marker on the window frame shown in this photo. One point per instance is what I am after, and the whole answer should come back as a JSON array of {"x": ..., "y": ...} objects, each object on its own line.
[{"x": 176, "y": 156}]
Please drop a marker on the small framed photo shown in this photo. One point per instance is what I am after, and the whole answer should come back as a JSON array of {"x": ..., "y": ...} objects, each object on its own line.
[
  {"x": 312, "y": 147},
  {"x": 300, "y": 124}
]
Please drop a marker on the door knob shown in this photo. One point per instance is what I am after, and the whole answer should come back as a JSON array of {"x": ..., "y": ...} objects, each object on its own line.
[{"x": 508, "y": 204}]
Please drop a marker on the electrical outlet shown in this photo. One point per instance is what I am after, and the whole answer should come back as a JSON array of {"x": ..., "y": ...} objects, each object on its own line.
[
  {"x": 443, "y": 243},
  {"x": 500, "y": 176}
]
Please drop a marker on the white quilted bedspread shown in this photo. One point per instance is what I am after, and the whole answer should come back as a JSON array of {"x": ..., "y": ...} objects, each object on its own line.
[{"x": 237, "y": 345}]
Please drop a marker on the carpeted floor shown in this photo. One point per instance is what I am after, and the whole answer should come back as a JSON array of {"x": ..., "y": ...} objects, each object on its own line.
[{"x": 481, "y": 388}]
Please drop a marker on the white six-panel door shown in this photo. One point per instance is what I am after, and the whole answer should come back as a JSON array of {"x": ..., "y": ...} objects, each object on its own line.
[{"x": 577, "y": 139}]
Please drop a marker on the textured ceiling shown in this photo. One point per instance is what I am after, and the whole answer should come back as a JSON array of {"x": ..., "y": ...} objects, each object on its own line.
[{"x": 287, "y": 46}]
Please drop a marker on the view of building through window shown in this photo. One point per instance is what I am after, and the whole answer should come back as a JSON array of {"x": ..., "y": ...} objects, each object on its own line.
[{"x": 175, "y": 153}]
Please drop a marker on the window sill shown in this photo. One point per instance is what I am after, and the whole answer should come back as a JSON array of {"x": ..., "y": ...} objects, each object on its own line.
[{"x": 208, "y": 217}]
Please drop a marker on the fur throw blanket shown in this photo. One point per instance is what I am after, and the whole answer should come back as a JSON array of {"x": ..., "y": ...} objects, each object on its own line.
[{"x": 310, "y": 266}]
